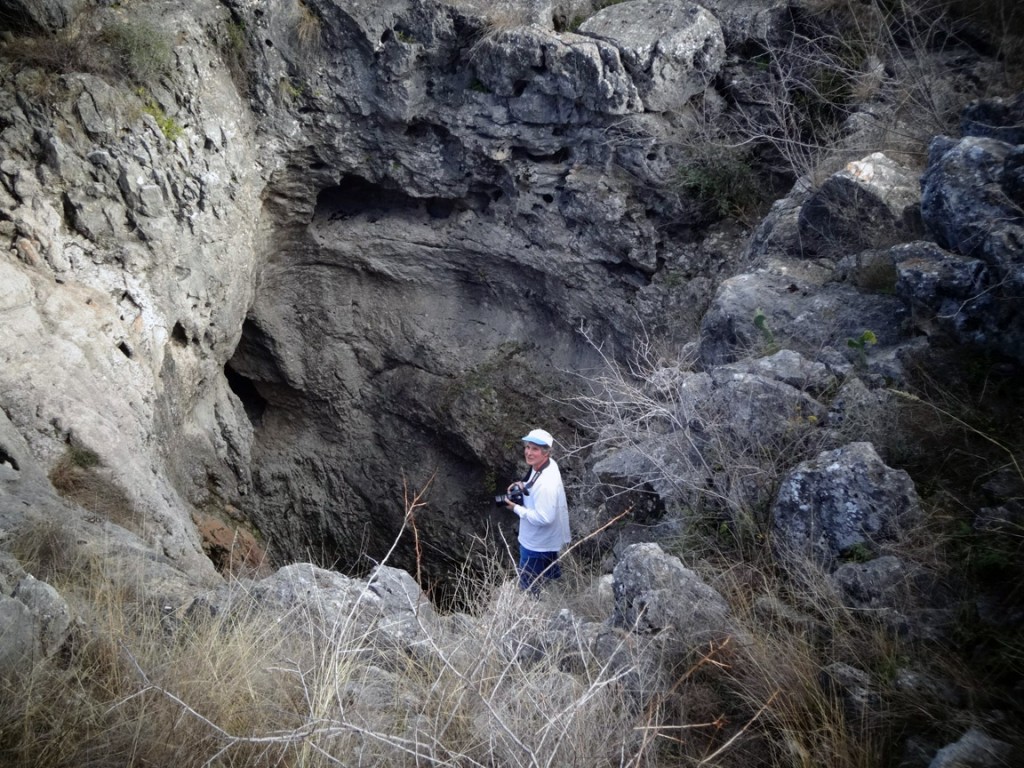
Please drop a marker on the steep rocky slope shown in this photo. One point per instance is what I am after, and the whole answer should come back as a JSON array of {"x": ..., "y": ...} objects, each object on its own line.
[{"x": 278, "y": 266}]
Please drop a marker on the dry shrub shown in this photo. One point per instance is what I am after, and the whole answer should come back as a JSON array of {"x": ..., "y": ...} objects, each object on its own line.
[
  {"x": 79, "y": 476},
  {"x": 118, "y": 50}
]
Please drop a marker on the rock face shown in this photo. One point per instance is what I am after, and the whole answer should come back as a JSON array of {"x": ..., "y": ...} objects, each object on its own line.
[{"x": 320, "y": 257}]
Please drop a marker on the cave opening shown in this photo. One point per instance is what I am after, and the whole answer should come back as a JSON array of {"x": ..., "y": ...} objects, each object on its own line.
[{"x": 245, "y": 390}]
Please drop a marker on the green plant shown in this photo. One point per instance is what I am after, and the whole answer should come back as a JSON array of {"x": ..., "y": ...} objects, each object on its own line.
[
  {"x": 169, "y": 127},
  {"x": 861, "y": 343},
  {"x": 858, "y": 552},
  {"x": 761, "y": 323},
  {"x": 721, "y": 177}
]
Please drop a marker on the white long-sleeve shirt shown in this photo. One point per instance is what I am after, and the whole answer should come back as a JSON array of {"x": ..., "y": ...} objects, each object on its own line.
[{"x": 544, "y": 513}]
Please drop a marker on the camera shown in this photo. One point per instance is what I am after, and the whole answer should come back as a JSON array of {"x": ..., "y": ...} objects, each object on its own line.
[{"x": 516, "y": 496}]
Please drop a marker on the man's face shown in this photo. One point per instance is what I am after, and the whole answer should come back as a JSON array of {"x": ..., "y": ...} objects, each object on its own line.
[{"x": 535, "y": 454}]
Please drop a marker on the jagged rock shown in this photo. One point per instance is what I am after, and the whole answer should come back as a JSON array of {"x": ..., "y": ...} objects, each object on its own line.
[
  {"x": 18, "y": 641},
  {"x": 388, "y": 605},
  {"x": 972, "y": 204},
  {"x": 655, "y": 592},
  {"x": 975, "y": 749},
  {"x": 50, "y": 614},
  {"x": 552, "y": 78},
  {"x": 948, "y": 292},
  {"x": 883, "y": 582},
  {"x": 672, "y": 51},
  {"x": 734, "y": 415},
  {"x": 843, "y": 503},
  {"x": 871, "y": 203},
  {"x": 854, "y": 688},
  {"x": 795, "y": 306},
  {"x": 745, "y": 21},
  {"x": 964, "y": 204},
  {"x": 39, "y": 15},
  {"x": 1001, "y": 119}
]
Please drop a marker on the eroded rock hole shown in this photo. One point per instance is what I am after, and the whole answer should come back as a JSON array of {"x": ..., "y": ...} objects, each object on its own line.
[
  {"x": 356, "y": 196},
  {"x": 245, "y": 390},
  {"x": 178, "y": 335},
  {"x": 7, "y": 460}
]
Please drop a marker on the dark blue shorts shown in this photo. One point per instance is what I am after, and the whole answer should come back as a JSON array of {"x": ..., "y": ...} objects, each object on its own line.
[{"x": 536, "y": 566}]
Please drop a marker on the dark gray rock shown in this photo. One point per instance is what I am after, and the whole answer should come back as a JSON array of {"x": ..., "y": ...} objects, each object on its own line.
[
  {"x": 971, "y": 202},
  {"x": 844, "y": 503},
  {"x": 964, "y": 204},
  {"x": 871, "y": 203},
  {"x": 949, "y": 293},
  {"x": 1001, "y": 119},
  {"x": 40, "y": 15},
  {"x": 854, "y": 688}
]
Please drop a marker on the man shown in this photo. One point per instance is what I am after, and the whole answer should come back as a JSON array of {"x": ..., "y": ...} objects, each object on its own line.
[{"x": 543, "y": 513}]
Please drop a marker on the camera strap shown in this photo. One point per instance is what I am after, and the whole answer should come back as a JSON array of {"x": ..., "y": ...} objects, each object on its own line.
[{"x": 528, "y": 481}]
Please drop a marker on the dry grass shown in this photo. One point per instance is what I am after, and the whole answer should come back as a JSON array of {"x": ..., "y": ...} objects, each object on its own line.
[
  {"x": 115, "y": 49},
  {"x": 79, "y": 476}
]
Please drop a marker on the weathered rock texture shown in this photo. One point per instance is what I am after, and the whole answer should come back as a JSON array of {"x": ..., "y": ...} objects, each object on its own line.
[{"x": 327, "y": 255}]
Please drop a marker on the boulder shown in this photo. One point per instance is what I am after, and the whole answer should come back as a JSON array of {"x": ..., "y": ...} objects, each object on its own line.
[
  {"x": 972, "y": 202},
  {"x": 843, "y": 504},
  {"x": 549, "y": 78},
  {"x": 965, "y": 204},
  {"x": 975, "y": 749},
  {"x": 18, "y": 638},
  {"x": 791, "y": 305},
  {"x": 741, "y": 415},
  {"x": 1000, "y": 118},
  {"x": 949, "y": 293},
  {"x": 672, "y": 50},
  {"x": 871, "y": 203},
  {"x": 51, "y": 616},
  {"x": 655, "y": 592}
]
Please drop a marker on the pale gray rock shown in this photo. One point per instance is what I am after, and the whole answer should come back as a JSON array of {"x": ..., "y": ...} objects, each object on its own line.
[
  {"x": 51, "y": 616},
  {"x": 388, "y": 605},
  {"x": 841, "y": 503},
  {"x": 125, "y": 278},
  {"x": 733, "y": 416},
  {"x": 551, "y": 78},
  {"x": 975, "y": 749},
  {"x": 18, "y": 639},
  {"x": 792, "y": 305},
  {"x": 655, "y": 592},
  {"x": 763, "y": 22},
  {"x": 672, "y": 50}
]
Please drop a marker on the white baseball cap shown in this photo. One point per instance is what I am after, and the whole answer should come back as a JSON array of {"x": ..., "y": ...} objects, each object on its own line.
[{"x": 539, "y": 437}]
